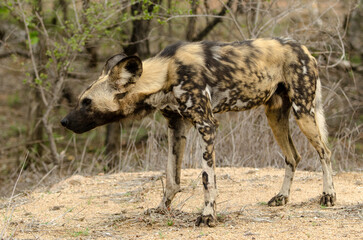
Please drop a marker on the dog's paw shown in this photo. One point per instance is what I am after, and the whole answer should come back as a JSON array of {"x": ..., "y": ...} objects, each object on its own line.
[
  {"x": 328, "y": 200},
  {"x": 278, "y": 200},
  {"x": 208, "y": 220}
]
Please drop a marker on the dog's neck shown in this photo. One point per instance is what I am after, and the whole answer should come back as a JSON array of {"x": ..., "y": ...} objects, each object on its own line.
[
  {"x": 153, "y": 83},
  {"x": 154, "y": 76}
]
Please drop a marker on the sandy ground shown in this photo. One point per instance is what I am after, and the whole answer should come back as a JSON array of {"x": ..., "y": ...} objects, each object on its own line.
[{"x": 113, "y": 207}]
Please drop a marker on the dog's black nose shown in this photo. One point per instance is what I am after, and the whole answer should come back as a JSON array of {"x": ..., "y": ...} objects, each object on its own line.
[{"x": 64, "y": 122}]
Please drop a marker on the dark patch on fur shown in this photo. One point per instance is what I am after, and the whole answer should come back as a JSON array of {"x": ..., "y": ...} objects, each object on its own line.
[
  {"x": 121, "y": 95},
  {"x": 172, "y": 118},
  {"x": 143, "y": 107},
  {"x": 86, "y": 102},
  {"x": 205, "y": 180},
  {"x": 215, "y": 71},
  {"x": 132, "y": 66},
  {"x": 281, "y": 89},
  {"x": 290, "y": 164},
  {"x": 170, "y": 51}
]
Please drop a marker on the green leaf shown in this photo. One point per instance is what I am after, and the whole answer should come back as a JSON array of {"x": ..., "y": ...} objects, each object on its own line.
[
  {"x": 4, "y": 11},
  {"x": 38, "y": 81},
  {"x": 34, "y": 39}
]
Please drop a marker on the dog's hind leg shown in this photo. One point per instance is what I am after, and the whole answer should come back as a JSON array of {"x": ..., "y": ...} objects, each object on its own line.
[
  {"x": 309, "y": 126},
  {"x": 310, "y": 118},
  {"x": 277, "y": 112}
]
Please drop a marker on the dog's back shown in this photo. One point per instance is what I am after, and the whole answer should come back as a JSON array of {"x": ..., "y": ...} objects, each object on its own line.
[{"x": 240, "y": 75}]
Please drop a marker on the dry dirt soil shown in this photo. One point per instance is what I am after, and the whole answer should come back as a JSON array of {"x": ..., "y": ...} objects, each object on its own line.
[{"x": 114, "y": 206}]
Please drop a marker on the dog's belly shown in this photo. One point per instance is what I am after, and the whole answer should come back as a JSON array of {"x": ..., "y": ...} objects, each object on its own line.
[{"x": 236, "y": 100}]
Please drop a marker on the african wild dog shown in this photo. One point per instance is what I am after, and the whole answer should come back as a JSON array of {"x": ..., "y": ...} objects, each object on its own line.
[{"x": 190, "y": 82}]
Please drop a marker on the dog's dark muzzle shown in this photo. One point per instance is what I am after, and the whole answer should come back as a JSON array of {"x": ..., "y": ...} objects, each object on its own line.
[{"x": 79, "y": 121}]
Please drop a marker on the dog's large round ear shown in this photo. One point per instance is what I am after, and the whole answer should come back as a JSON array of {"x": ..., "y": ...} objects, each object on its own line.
[
  {"x": 127, "y": 69},
  {"x": 112, "y": 61}
]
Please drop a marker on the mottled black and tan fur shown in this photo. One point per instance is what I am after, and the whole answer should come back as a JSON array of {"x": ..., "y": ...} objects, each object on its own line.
[{"x": 191, "y": 82}]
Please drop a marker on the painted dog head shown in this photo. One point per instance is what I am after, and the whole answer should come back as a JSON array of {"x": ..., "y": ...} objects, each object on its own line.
[{"x": 110, "y": 98}]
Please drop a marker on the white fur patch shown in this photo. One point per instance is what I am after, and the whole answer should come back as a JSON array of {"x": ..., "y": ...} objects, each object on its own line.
[
  {"x": 304, "y": 69},
  {"x": 218, "y": 96},
  {"x": 161, "y": 100},
  {"x": 124, "y": 77},
  {"x": 295, "y": 107},
  {"x": 241, "y": 104},
  {"x": 179, "y": 91},
  {"x": 208, "y": 92},
  {"x": 189, "y": 103},
  {"x": 215, "y": 52}
]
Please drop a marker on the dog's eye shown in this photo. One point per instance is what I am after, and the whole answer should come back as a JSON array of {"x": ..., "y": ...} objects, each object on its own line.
[
  {"x": 86, "y": 102},
  {"x": 121, "y": 95}
]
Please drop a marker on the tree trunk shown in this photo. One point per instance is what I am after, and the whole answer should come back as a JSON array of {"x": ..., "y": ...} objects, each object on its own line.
[{"x": 139, "y": 42}]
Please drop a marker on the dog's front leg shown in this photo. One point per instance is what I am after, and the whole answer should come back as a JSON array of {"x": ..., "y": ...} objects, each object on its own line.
[
  {"x": 178, "y": 128},
  {"x": 208, "y": 129}
]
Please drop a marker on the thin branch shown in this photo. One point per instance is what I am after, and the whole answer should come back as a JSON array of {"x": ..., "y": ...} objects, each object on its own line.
[
  {"x": 257, "y": 14},
  {"x": 195, "y": 15},
  {"x": 56, "y": 94},
  {"x": 211, "y": 25},
  {"x": 234, "y": 20},
  {"x": 342, "y": 47},
  {"x": 76, "y": 15},
  {"x": 54, "y": 59},
  {"x": 31, "y": 53},
  {"x": 278, "y": 18}
]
